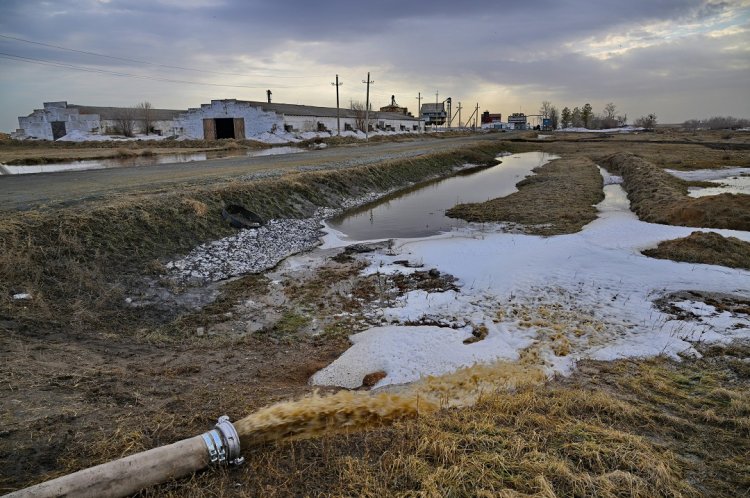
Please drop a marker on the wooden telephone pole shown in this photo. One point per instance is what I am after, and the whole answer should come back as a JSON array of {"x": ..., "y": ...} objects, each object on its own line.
[
  {"x": 367, "y": 106},
  {"x": 338, "y": 115}
]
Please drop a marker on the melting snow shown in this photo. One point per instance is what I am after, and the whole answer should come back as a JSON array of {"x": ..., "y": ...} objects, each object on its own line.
[
  {"x": 583, "y": 295},
  {"x": 727, "y": 180}
]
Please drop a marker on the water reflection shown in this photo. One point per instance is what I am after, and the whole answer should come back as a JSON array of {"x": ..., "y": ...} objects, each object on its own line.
[
  {"x": 419, "y": 211},
  {"x": 138, "y": 161}
]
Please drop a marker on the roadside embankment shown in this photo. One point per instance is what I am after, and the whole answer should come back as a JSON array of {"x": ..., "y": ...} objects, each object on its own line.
[
  {"x": 75, "y": 263},
  {"x": 658, "y": 197},
  {"x": 558, "y": 199}
]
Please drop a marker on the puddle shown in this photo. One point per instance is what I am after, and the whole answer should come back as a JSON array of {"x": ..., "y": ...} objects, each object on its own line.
[
  {"x": 420, "y": 210},
  {"x": 138, "y": 161}
]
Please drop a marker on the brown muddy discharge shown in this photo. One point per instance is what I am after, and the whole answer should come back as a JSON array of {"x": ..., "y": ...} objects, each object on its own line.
[
  {"x": 315, "y": 415},
  {"x": 348, "y": 411}
]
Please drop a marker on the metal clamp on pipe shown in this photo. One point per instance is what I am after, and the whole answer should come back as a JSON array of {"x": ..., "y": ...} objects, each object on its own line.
[{"x": 223, "y": 443}]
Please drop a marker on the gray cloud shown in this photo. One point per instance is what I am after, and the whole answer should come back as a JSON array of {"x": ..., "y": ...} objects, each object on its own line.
[{"x": 524, "y": 52}]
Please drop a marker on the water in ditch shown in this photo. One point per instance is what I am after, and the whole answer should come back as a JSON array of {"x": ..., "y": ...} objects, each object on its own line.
[
  {"x": 419, "y": 211},
  {"x": 151, "y": 160}
]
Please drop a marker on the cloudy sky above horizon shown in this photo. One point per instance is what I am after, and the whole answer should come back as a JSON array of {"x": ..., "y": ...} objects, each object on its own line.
[{"x": 679, "y": 59}]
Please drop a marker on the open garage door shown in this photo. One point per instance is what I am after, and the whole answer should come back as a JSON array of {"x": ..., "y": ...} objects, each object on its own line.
[{"x": 218, "y": 128}]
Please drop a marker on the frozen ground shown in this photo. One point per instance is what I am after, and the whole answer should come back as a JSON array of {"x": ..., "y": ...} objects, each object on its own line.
[{"x": 552, "y": 300}]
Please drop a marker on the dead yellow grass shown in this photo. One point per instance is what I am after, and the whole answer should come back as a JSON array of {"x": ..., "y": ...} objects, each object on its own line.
[
  {"x": 658, "y": 197},
  {"x": 560, "y": 198},
  {"x": 704, "y": 247},
  {"x": 628, "y": 428}
]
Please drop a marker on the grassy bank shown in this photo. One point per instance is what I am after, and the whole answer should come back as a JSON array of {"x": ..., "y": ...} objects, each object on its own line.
[
  {"x": 658, "y": 197},
  {"x": 76, "y": 262},
  {"x": 560, "y": 198}
]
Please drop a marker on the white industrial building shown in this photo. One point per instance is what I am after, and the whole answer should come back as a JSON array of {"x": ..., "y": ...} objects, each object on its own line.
[{"x": 228, "y": 118}]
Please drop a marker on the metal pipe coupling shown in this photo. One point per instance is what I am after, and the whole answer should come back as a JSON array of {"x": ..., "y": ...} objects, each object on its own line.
[{"x": 223, "y": 443}]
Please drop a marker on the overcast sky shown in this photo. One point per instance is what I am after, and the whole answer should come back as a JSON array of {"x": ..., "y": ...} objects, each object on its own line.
[{"x": 678, "y": 59}]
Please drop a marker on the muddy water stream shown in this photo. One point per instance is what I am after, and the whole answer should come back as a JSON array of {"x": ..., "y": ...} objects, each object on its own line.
[
  {"x": 142, "y": 160},
  {"x": 420, "y": 211}
]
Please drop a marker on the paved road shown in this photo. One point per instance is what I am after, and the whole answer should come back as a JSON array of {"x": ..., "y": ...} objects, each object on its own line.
[{"x": 23, "y": 192}]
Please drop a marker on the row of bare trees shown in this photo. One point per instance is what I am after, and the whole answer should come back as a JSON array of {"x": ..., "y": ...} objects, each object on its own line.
[{"x": 716, "y": 123}]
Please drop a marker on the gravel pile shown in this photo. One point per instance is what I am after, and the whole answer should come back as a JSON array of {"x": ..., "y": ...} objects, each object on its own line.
[{"x": 258, "y": 249}]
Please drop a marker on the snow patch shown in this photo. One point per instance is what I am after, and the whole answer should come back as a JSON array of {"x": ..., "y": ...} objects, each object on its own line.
[{"x": 568, "y": 297}]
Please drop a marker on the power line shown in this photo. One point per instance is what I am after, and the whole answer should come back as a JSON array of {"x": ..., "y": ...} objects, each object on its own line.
[
  {"x": 138, "y": 61},
  {"x": 45, "y": 62}
]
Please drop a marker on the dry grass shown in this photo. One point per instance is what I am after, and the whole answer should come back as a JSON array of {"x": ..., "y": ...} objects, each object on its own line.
[
  {"x": 705, "y": 247},
  {"x": 627, "y": 428},
  {"x": 658, "y": 197},
  {"x": 560, "y": 198}
]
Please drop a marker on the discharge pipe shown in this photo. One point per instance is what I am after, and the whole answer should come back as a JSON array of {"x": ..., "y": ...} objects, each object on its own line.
[{"x": 123, "y": 477}]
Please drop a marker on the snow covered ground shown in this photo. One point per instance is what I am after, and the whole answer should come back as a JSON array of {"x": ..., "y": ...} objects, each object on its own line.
[
  {"x": 727, "y": 180},
  {"x": 79, "y": 136},
  {"x": 556, "y": 299}
]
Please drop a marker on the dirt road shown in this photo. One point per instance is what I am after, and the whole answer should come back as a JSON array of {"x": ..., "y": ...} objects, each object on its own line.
[{"x": 24, "y": 192}]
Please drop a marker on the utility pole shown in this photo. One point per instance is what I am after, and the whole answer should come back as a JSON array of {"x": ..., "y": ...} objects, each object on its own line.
[
  {"x": 367, "y": 106},
  {"x": 338, "y": 115},
  {"x": 449, "y": 101},
  {"x": 476, "y": 116},
  {"x": 419, "y": 111},
  {"x": 459, "y": 114},
  {"x": 436, "y": 105}
]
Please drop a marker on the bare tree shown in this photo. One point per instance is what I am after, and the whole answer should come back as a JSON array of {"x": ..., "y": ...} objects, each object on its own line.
[
  {"x": 609, "y": 116},
  {"x": 359, "y": 115},
  {"x": 545, "y": 108},
  {"x": 554, "y": 116},
  {"x": 125, "y": 121},
  {"x": 145, "y": 115},
  {"x": 647, "y": 122},
  {"x": 549, "y": 111}
]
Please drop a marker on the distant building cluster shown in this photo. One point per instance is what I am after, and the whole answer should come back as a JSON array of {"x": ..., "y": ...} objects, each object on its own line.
[
  {"x": 228, "y": 118},
  {"x": 240, "y": 119}
]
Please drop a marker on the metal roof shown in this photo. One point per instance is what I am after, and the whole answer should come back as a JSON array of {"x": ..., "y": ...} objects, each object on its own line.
[
  {"x": 322, "y": 112},
  {"x": 116, "y": 112},
  {"x": 286, "y": 109}
]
